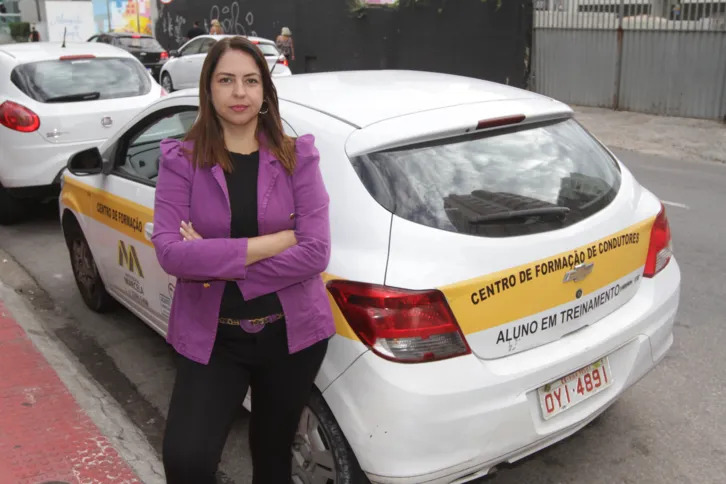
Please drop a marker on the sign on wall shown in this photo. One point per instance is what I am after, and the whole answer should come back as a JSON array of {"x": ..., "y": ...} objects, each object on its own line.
[
  {"x": 122, "y": 15},
  {"x": 76, "y": 18}
]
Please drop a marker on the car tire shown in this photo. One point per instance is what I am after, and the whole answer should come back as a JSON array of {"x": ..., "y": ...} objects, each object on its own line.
[
  {"x": 12, "y": 210},
  {"x": 319, "y": 445},
  {"x": 85, "y": 271},
  {"x": 167, "y": 83}
]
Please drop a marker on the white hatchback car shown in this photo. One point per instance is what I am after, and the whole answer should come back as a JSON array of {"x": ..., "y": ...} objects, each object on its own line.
[
  {"x": 184, "y": 66},
  {"x": 55, "y": 101},
  {"x": 498, "y": 278}
]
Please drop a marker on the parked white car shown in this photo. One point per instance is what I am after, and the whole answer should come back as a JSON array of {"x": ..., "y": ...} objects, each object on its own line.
[
  {"x": 184, "y": 66},
  {"x": 498, "y": 278},
  {"x": 55, "y": 101}
]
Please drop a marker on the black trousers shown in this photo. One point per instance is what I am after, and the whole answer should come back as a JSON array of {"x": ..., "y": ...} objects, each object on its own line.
[{"x": 206, "y": 399}]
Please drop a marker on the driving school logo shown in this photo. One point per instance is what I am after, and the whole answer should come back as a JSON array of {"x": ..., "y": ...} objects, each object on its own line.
[{"x": 129, "y": 259}]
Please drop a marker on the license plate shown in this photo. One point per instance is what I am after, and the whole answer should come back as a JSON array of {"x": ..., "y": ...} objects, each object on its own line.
[{"x": 559, "y": 395}]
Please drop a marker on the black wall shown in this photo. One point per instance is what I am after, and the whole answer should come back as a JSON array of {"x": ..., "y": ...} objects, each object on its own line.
[{"x": 468, "y": 37}]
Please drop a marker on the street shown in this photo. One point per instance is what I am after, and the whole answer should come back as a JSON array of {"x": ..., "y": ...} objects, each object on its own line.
[{"x": 668, "y": 428}]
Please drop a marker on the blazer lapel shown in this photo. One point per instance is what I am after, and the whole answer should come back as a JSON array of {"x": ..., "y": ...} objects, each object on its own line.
[
  {"x": 268, "y": 173},
  {"x": 218, "y": 175}
]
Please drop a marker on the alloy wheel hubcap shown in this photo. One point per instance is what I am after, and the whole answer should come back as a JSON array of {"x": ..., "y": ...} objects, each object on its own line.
[
  {"x": 312, "y": 456},
  {"x": 84, "y": 267}
]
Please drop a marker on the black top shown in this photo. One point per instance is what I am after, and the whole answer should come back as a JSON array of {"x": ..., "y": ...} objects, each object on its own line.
[{"x": 242, "y": 188}]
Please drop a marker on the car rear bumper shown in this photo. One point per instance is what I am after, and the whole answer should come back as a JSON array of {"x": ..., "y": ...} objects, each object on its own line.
[{"x": 453, "y": 420}]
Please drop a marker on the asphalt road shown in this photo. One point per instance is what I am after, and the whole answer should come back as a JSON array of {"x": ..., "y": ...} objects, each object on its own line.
[{"x": 668, "y": 428}]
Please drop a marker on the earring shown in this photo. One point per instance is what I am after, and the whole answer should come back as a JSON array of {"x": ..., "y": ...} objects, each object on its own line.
[{"x": 265, "y": 108}]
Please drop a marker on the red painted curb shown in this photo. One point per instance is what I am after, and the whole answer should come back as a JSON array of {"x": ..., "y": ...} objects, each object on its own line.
[{"x": 44, "y": 433}]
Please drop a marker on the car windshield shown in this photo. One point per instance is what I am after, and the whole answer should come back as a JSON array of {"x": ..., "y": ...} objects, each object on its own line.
[
  {"x": 512, "y": 182},
  {"x": 147, "y": 44},
  {"x": 73, "y": 80}
]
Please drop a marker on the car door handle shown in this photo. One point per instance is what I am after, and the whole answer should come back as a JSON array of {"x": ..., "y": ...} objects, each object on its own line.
[{"x": 148, "y": 230}]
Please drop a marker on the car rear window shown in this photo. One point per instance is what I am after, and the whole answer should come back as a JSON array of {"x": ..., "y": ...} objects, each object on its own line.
[
  {"x": 81, "y": 79},
  {"x": 146, "y": 44},
  {"x": 506, "y": 183},
  {"x": 268, "y": 49}
]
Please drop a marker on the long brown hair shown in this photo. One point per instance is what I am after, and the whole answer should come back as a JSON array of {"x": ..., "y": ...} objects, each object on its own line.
[{"x": 209, "y": 147}]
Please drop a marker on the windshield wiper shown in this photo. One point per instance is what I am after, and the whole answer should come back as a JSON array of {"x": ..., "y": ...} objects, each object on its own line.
[
  {"x": 83, "y": 96},
  {"x": 558, "y": 213}
]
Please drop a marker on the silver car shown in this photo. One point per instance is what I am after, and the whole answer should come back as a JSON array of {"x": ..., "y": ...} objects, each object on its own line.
[{"x": 184, "y": 66}]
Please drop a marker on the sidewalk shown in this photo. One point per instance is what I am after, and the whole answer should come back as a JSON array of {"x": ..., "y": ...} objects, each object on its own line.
[
  {"x": 680, "y": 138},
  {"x": 44, "y": 434},
  {"x": 57, "y": 425}
]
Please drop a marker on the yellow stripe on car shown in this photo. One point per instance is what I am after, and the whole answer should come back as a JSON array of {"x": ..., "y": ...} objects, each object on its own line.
[
  {"x": 498, "y": 298},
  {"x": 117, "y": 212}
]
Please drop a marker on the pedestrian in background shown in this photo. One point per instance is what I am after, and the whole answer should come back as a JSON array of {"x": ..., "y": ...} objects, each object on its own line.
[
  {"x": 34, "y": 34},
  {"x": 3, "y": 10},
  {"x": 216, "y": 28},
  {"x": 285, "y": 44},
  {"x": 250, "y": 309},
  {"x": 195, "y": 31}
]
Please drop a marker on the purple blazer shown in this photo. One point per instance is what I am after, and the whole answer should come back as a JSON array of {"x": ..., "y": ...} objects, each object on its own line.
[{"x": 298, "y": 201}]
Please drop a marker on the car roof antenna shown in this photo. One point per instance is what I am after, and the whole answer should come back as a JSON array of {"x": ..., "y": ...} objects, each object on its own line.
[{"x": 64, "y": 37}]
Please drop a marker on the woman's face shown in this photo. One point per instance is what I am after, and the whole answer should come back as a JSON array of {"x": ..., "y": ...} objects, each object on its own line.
[{"x": 236, "y": 88}]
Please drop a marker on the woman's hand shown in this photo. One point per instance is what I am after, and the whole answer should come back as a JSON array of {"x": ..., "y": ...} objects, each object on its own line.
[{"x": 188, "y": 232}]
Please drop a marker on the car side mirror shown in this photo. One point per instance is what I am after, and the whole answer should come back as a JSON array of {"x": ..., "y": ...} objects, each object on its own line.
[
  {"x": 86, "y": 162},
  {"x": 173, "y": 53}
]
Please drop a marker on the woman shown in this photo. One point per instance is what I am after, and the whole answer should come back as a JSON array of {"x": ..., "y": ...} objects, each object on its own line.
[
  {"x": 285, "y": 44},
  {"x": 216, "y": 28},
  {"x": 241, "y": 219}
]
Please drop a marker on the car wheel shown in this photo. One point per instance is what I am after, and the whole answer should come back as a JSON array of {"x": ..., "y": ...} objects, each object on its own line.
[
  {"x": 166, "y": 82},
  {"x": 320, "y": 452},
  {"x": 85, "y": 270},
  {"x": 12, "y": 210}
]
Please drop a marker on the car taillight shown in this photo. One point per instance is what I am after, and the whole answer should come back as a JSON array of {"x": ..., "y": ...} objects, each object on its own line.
[
  {"x": 400, "y": 325},
  {"x": 163, "y": 92},
  {"x": 164, "y": 55},
  {"x": 282, "y": 60},
  {"x": 18, "y": 118},
  {"x": 660, "y": 250}
]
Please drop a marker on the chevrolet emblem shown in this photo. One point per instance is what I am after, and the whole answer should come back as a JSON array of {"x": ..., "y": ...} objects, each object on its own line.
[{"x": 579, "y": 272}]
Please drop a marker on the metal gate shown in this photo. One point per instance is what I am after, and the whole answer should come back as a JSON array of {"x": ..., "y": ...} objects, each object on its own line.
[{"x": 651, "y": 56}]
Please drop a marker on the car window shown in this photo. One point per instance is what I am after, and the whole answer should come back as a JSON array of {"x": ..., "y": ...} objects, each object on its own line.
[
  {"x": 84, "y": 79},
  {"x": 141, "y": 157},
  {"x": 192, "y": 47},
  {"x": 93, "y": 39},
  {"x": 498, "y": 184},
  {"x": 268, "y": 49},
  {"x": 206, "y": 45}
]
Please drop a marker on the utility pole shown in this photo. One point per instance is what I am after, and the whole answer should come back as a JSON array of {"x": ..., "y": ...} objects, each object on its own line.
[{"x": 108, "y": 12}]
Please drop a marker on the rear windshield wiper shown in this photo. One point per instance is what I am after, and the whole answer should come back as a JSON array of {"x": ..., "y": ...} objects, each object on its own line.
[
  {"x": 507, "y": 215},
  {"x": 83, "y": 96}
]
